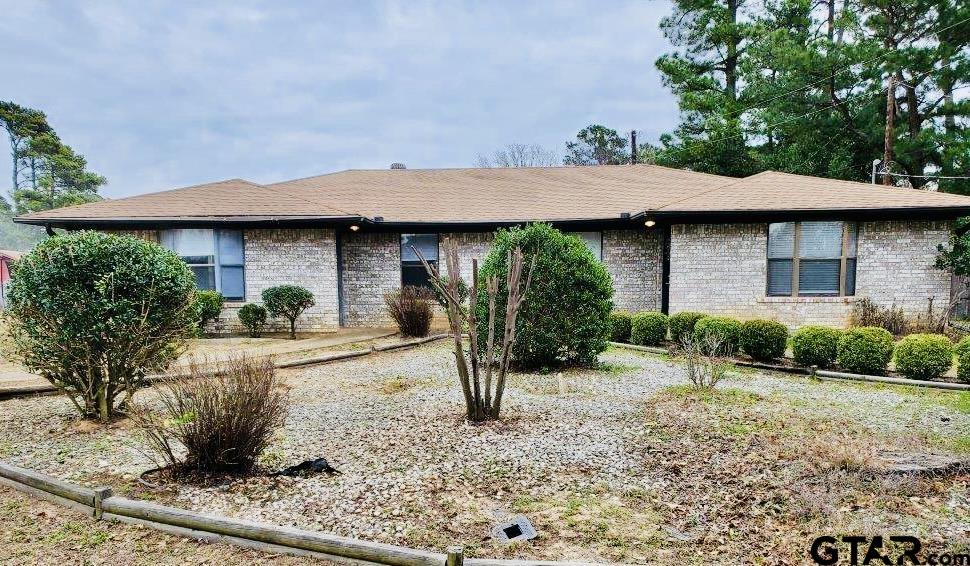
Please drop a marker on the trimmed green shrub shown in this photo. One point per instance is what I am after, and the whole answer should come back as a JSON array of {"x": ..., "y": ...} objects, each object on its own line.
[
  {"x": 682, "y": 324},
  {"x": 620, "y": 324},
  {"x": 923, "y": 356},
  {"x": 93, "y": 313},
  {"x": 726, "y": 329},
  {"x": 648, "y": 328},
  {"x": 866, "y": 350},
  {"x": 288, "y": 301},
  {"x": 815, "y": 346},
  {"x": 253, "y": 317},
  {"x": 565, "y": 317},
  {"x": 962, "y": 346},
  {"x": 763, "y": 340},
  {"x": 207, "y": 306},
  {"x": 963, "y": 370}
]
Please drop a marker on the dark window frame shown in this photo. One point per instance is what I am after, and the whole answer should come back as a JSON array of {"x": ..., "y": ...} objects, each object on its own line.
[
  {"x": 402, "y": 263},
  {"x": 795, "y": 259}
]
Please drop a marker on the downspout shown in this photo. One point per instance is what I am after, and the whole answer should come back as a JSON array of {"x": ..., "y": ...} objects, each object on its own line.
[{"x": 665, "y": 271}]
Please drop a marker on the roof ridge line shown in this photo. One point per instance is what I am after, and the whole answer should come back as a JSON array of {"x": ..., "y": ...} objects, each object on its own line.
[{"x": 705, "y": 191}]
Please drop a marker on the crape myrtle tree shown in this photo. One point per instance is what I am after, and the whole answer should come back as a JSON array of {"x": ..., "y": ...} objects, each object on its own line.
[
  {"x": 93, "y": 313},
  {"x": 482, "y": 371}
]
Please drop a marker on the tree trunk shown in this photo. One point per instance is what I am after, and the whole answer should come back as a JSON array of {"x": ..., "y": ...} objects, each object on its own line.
[
  {"x": 913, "y": 122},
  {"x": 293, "y": 328},
  {"x": 731, "y": 61},
  {"x": 887, "y": 156}
]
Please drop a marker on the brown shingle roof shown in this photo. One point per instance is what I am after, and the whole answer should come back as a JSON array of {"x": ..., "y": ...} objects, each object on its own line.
[{"x": 507, "y": 195}]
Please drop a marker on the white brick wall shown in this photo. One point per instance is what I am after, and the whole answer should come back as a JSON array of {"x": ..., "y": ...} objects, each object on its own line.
[
  {"x": 634, "y": 259},
  {"x": 721, "y": 269}
]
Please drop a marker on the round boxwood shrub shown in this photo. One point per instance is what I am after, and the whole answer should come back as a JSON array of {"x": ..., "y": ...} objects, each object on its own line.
[
  {"x": 207, "y": 306},
  {"x": 923, "y": 356},
  {"x": 962, "y": 346},
  {"x": 682, "y": 324},
  {"x": 726, "y": 329},
  {"x": 93, "y": 313},
  {"x": 648, "y": 328},
  {"x": 963, "y": 369},
  {"x": 253, "y": 317},
  {"x": 763, "y": 340},
  {"x": 620, "y": 322},
  {"x": 866, "y": 350},
  {"x": 565, "y": 315},
  {"x": 288, "y": 301},
  {"x": 815, "y": 346}
]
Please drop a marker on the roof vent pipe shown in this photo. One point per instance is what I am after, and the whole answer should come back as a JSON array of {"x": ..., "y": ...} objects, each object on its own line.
[
  {"x": 633, "y": 147},
  {"x": 398, "y": 166}
]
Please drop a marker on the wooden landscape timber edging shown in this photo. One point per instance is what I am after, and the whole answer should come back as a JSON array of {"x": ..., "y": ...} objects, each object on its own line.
[
  {"x": 821, "y": 373},
  {"x": 100, "y": 503},
  {"x": 6, "y": 393}
]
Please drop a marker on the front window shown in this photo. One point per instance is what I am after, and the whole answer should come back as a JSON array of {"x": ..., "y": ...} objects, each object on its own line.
[
  {"x": 412, "y": 271},
  {"x": 214, "y": 256},
  {"x": 811, "y": 259}
]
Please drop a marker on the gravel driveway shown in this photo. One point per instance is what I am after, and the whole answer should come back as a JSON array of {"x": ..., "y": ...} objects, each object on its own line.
[{"x": 414, "y": 473}]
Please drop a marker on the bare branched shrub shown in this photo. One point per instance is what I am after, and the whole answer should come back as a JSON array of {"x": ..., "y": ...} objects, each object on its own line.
[
  {"x": 867, "y": 313},
  {"x": 215, "y": 424},
  {"x": 412, "y": 309},
  {"x": 705, "y": 360}
]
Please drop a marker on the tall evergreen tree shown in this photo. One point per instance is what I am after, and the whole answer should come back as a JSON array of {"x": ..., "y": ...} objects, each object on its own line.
[
  {"x": 47, "y": 173},
  {"x": 597, "y": 145}
]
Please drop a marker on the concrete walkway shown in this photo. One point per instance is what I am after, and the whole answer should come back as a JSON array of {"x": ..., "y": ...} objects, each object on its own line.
[{"x": 208, "y": 350}]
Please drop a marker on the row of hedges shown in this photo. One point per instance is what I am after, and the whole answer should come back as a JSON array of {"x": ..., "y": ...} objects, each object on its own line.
[
  {"x": 761, "y": 339},
  {"x": 865, "y": 350},
  {"x": 869, "y": 349}
]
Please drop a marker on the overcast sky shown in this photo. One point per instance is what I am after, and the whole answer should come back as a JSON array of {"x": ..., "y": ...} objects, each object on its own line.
[{"x": 167, "y": 94}]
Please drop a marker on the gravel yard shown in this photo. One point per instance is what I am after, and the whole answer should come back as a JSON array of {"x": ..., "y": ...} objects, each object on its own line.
[{"x": 620, "y": 463}]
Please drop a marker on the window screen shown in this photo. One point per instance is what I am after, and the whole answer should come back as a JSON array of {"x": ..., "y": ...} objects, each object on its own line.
[{"x": 412, "y": 271}]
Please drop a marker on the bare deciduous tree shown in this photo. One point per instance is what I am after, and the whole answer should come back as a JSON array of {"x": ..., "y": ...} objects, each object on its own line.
[
  {"x": 481, "y": 403},
  {"x": 519, "y": 155}
]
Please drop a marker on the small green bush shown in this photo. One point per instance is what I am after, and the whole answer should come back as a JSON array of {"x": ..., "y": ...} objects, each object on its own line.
[
  {"x": 866, "y": 350},
  {"x": 682, "y": 324},
  {"x": 207, "y": 306},
  {"x": 924, "y": 356},
  {"x": 816, "y": 346},
  {"x": 763, "y": 340},
  {"x": 727, "y": 329},
  {"x": 648, "y": 328},
  {"x": 288, "y": 301},
  {"x": 620, "y": 325},
  {"x": 963, "y": 370},
  {"x": 963, "y": 346},
  {"x": 253, "y": 317}
]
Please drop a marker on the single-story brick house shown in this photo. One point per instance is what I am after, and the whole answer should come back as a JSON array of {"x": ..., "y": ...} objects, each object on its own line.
[{"x": 793, "y": 248}]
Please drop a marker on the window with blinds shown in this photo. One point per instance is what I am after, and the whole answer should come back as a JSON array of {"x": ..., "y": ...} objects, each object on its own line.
[
  {"x": 216, "y": 258},
  {"x": 811, "y": 259}
]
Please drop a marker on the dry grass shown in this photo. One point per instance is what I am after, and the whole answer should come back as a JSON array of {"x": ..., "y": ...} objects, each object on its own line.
[
  {"x": 33, "y": 531},
  {"x": 751, "y": 476}
]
